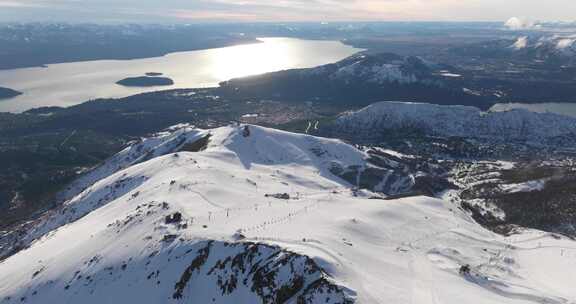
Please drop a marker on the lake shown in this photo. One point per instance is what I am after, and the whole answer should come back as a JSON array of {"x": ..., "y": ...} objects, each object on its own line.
[
  {"x": 67, "y": 84},
  {"x": 568, "y": 109}
]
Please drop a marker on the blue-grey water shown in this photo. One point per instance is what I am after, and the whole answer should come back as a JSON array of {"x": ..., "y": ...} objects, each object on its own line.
[{"x": 67, "y": 84}]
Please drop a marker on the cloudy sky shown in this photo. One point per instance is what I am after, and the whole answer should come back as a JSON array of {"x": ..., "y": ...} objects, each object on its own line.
[{"x": 283, "y": 10}]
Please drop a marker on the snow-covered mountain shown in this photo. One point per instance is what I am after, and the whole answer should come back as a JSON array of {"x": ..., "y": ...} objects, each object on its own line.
[
  {"x": 247, "y": 214},
  {"x": 380, "y": 68},
  {"x": 548, "y": 47},
  {"x": 546, "y": 50},
  {"x": 378, "y": 119},
  {"x": 366, "y": 77},
  {"x": 374, "y": 169}
]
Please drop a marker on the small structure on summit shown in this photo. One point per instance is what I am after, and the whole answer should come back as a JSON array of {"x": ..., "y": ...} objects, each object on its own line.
[
  {"x": 246, "y": 131},
  {"x": 174, "y": 218}
]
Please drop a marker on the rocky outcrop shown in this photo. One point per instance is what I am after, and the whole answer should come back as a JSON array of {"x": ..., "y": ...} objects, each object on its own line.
[{"x": 267, "y": 273}]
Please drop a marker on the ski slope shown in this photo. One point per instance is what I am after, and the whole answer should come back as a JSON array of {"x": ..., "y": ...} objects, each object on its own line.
[{"x": 237, "y": 243}]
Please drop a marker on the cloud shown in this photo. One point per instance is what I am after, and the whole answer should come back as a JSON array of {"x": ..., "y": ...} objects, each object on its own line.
[
  {"x": 19, "y": 4},
  {"x": 526, "y": 24},
  {"x": 518, "y": 23},
  {"x": 284, "y": 10}
]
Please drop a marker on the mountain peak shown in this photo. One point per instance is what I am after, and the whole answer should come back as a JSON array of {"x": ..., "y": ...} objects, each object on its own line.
[{"x": 246, "y": 214}]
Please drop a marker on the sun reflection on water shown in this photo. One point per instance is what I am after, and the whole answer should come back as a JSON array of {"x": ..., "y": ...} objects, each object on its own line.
[
  {"x": 67, "y": 84},
  {"x": 246, "y": 60}
]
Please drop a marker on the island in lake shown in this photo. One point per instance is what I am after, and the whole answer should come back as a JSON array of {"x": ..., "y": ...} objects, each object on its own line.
[
  {"x": 8, "y": 93},
  {"x": 146, "y": 81}
]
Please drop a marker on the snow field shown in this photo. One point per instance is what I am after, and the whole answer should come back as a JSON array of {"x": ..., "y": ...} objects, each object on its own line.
[{"x": 111, "y": 243}]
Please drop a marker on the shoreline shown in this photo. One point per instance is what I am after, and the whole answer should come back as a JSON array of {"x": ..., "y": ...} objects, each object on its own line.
[{"x": 127, "y": 58}]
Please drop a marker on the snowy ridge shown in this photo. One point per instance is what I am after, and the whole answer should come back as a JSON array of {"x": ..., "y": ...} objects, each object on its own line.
[
  {"x": 208, "y": 227},
  {"x": 383, "y": 73},
  {"x": 168, "y": 141},
  {"x": 147, "y": 148},
  {"x": 462, "y": 121},
  {"x": 378, "y": 69},
  {"x": 106, "y": 183}
]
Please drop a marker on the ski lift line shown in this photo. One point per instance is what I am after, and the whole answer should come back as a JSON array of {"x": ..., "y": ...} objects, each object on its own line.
[
  {"x": 230, "y": 216},
  {"x": 283, "y": 219},
  {"x": 213, "y": 217}
]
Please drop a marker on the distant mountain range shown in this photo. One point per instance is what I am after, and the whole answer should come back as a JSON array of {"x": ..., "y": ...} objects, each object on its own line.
[
  {"x": 555, "y": 48},
  {"x": 39, "y": 44},
  {"x": 551, "y": 49}
]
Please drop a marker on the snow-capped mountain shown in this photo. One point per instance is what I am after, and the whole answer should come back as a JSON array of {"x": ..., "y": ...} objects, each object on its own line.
[
  {"x": 382, "y": 68},
  {"x": 547, "y": 50},
  {"x": 519, "y": 125},
  {"x": 246, "y": 214},
  {"x": 549, "y": 47},
  {"x": 367, "y": 77},
  {"x": 526, "y": 24},
  {"x": 374, "y": 169}
]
